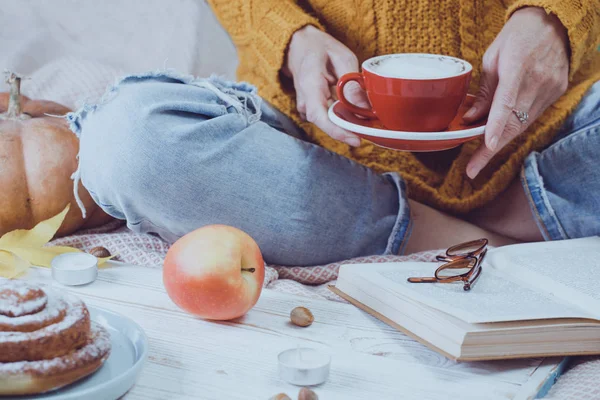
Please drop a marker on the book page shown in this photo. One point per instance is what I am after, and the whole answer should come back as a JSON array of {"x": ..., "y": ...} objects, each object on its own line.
[
  {"x": 568, "y": 269},
  {"x": 494, "y": 298}
]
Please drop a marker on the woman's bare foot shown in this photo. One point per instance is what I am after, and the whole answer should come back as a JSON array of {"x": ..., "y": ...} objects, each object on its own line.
[{"x": 433, "y": 229}]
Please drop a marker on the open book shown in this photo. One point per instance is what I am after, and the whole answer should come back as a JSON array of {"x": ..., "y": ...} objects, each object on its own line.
[{"x": 535, "y": 299}]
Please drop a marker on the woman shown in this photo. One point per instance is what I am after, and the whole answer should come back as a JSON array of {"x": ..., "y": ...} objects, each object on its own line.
[{"x": 179, "y": 153}]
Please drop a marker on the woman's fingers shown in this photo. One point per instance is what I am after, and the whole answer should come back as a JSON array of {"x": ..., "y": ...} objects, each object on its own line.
[
  {"x": 484, "y": 97},
  {"x": 343, "y": 62},
  {"x": 356, "y": 95},
  {"x": 512, "y": 127},
  {"x": 316, "y": 60},
  {"x": 319, "y": 118},
  {"x": 505, "y": 100},
  {"x": 530, "y": 58},
  {"x": 313, "y": 93},
  {"x": 316, "y": 97}
]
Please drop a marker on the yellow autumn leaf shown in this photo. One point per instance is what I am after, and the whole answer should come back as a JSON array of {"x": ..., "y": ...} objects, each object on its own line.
[
  {"x": 41, "y": 256},
  {"x": 56, "y": 250},
  {"x": 21, "y": 248},
  {"x": 102, "y": 261},
  {"x": 11, "y": 265},
  {"x": 38, "y": 236}
]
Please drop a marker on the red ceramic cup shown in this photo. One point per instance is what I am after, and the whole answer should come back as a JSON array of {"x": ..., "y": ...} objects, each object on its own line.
[{"x": 411, "y": 92}]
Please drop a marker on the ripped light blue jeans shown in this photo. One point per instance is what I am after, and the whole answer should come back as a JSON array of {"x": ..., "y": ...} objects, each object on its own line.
[
  {"x": 563, "y": 181},
  {"x": 171, "y": 153}
]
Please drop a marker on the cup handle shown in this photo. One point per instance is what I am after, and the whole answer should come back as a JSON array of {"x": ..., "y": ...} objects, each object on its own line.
[{"x": 353, "y": 76}]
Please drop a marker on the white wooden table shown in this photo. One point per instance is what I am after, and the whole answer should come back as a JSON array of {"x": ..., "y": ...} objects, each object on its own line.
[{"x": 195, "y": 359}]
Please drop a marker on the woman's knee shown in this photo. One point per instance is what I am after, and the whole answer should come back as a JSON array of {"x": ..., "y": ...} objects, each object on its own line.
[
  {"x": 113, "y": 136},
  {"x": 150, "y": 136}
]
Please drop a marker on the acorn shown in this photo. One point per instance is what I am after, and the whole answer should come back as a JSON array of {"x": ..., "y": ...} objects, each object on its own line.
[
  {"x": 280, "y": 396},
  {"x": 301, "y": 316},
  {"x": 307, "y": 394},
  {"x": 100, "y": 252}
]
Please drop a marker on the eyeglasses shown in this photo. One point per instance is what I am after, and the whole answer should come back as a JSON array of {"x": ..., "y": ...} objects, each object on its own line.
[{"x": 462, "y": 262}]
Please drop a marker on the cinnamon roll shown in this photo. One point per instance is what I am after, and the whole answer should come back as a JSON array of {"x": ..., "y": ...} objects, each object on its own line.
[{"x": 47, "y": 339}]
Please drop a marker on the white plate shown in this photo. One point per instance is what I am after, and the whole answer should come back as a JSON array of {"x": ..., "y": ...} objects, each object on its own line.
[
  {"x": 373, "y": 131},
  {"x": 118, "y": 374},
  {"x": 355, "y": 124}
]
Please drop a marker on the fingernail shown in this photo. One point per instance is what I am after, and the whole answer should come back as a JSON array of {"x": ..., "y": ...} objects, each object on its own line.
[
  {"x": 470, "y": 113},
  {"x": 493, "y": 143},
  {"x": 473, "y": 171},
  {"x": 352, "y": 141}
]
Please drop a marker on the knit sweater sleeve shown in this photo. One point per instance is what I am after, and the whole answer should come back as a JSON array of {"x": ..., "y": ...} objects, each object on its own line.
[
  {"x": 581, "y": 18},
  {"x": 261, "y": 31}
]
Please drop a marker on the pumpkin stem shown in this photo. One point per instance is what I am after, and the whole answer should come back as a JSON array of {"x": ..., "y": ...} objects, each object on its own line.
[{"x": 14, "y": 100}]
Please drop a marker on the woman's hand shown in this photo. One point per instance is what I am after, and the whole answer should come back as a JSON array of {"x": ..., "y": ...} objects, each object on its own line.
[
  {"x": 526, "y": 69},
  {"x": 315, "y": 61}
]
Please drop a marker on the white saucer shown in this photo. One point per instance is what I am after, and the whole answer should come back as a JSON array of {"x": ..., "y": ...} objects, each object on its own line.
[
  {"x": 373, "y": 131},
  {"x": 118, "y": 374}
]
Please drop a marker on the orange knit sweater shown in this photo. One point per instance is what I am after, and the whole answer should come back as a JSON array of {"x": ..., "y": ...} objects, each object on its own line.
[{"x": 262, "y": 29}]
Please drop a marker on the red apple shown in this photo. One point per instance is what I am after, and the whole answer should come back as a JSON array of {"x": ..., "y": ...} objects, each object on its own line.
[{"x": 215, "y": 272}]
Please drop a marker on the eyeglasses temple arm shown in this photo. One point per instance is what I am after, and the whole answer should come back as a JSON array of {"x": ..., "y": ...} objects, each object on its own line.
[{"x": 422, "y": 280}]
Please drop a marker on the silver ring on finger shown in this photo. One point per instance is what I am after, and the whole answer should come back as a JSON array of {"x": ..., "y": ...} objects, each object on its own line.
[{"x": 523, "y": 116}]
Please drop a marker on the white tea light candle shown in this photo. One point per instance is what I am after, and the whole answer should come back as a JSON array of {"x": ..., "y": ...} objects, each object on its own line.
[
  {"x": 304, "y": 366},
  {"x": 74, "y": 268}
]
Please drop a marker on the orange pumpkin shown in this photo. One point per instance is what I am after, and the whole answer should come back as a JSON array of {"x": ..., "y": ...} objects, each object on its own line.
[{"x": 37, "y": 157}]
